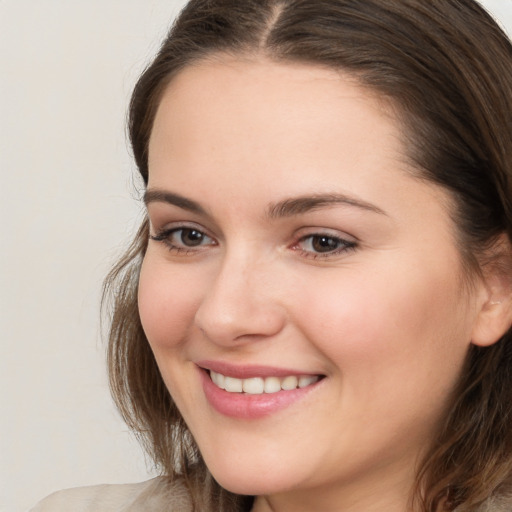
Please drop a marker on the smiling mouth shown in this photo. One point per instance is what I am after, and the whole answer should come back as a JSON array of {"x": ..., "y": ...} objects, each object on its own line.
[{"x": 262, "y": 385}]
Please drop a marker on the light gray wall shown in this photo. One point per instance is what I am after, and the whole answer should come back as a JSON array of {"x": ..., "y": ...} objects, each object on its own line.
[{"x": 67, "y": 206}]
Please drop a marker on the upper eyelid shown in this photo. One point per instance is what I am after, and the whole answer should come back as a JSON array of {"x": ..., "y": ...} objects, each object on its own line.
[
  {"x": 164, "y": 235},
  {"x": 177, "y": 225},
  {"x": 345, "y": 239},
  {"x": 299, "y": 234},
  {"x": 159, "y": 214},
  {"x": 174, "y": 229},
  {"x": 306, "y": 232}
]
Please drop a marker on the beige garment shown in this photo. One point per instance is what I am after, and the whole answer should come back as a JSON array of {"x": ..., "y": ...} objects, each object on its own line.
[
  {"x": 155, "y": 495},
  {"x": 502, "y": 503}
]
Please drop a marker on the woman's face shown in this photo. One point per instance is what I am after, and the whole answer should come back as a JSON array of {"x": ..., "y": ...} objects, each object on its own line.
[{"x": 294, "y": 255}]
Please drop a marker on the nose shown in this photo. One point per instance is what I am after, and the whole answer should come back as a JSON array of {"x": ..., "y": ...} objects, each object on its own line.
[{"x": 240, "y": 304}]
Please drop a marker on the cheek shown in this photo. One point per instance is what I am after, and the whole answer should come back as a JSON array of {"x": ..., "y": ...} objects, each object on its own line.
[
  {"x": 166, "y": 303},
  {"x": 391, "y": 330}
]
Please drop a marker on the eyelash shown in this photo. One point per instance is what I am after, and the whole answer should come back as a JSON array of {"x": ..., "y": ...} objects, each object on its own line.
[
  {"x": 342, "y": 245},
  {"x": 165, "y": 236}
]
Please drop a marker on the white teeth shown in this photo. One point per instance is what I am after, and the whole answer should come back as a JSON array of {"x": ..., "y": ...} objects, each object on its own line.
[
  {"x": 272, "y": 385},
  {"x": 253, "y": 386},
  {"x": 218, "y": 379},
  {"x": 233, "y": 385},
  {"x": 259, "y": 385},
  {"x": 289, "y": 382},
  {"x": 307, "y": 380}
]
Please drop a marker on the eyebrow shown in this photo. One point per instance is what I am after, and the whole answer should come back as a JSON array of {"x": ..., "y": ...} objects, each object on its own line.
[
  {"x": 285, "y": 208},
  {"x": 303, "y": 204},
  {"x": 162, "y": 196}
]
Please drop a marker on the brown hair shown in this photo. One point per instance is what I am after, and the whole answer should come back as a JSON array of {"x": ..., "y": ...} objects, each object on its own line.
[{"x": 446, "y": 67}]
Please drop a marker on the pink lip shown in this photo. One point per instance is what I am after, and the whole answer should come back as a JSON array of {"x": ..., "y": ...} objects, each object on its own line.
[
  {"x": 249, "y": 371},
  {"x": 247, "y": 406}
]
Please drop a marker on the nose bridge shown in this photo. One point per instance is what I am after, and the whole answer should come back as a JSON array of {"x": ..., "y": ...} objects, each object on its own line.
[{"x": 239, "y": 304}]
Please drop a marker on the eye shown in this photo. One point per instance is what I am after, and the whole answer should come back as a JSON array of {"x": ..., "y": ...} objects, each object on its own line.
[
  {"x": 189, "y": 237},
  {"x": 323, "y": 245},
  {"x": 183, "y": 239}
]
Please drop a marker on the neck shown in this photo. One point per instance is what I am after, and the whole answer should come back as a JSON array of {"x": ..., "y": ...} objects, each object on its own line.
[{"x": 373, "y": 494}]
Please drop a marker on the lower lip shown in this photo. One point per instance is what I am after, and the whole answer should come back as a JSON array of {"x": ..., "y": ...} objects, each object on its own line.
[{"x": 247, "y": 406}]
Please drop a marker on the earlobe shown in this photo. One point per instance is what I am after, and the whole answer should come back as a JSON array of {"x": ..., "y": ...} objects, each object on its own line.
[
  {"x": 494, "y": 317},
  {"x": 494, "y": 320}
]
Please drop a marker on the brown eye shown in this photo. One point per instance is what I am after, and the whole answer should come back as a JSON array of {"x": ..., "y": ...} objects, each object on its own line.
[
  {"x": 190, "y": 237},
  {"x": 183, "y": 239},
  {"x": 324, "y": 244}
]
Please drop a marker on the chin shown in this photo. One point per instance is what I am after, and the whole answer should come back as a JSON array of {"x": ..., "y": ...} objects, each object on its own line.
[
  {"x": 249, "y": 486},
  {"x": 251, "y": 481}
]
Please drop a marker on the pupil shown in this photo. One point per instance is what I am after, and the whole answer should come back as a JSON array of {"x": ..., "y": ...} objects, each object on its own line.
[
  {"x": 191, "y": 237},
  {"x": 324, "y": 244}
]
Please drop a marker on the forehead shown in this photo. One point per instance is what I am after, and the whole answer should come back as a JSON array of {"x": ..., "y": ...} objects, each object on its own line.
[{"x": 276, "y": 111}]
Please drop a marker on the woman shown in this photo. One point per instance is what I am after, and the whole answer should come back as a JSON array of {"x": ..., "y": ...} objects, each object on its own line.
[{"x": 317, "y": 310}]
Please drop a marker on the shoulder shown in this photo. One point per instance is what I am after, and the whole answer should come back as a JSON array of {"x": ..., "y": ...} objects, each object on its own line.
[
  {"x": 501, "y": 503},
  {"x": 155, "y": 495},
  {"x": 498, "y": 503}
]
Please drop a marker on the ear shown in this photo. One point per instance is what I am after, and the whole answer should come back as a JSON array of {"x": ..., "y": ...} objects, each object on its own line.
[{"x": 494, "y": 317}]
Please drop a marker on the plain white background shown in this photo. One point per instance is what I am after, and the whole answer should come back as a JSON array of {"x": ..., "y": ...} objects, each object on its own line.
[{"x": 69, "y": 204}]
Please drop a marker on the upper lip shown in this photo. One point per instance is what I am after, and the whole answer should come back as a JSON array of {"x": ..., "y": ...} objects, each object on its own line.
[{"x": 249, "y": 371}]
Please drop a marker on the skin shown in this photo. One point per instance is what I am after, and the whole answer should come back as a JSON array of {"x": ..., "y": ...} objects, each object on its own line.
[{"x": 386, "y": 319}]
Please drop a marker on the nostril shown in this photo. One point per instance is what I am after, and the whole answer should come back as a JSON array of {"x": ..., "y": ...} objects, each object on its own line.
[{"x": 244, "y": 323}]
